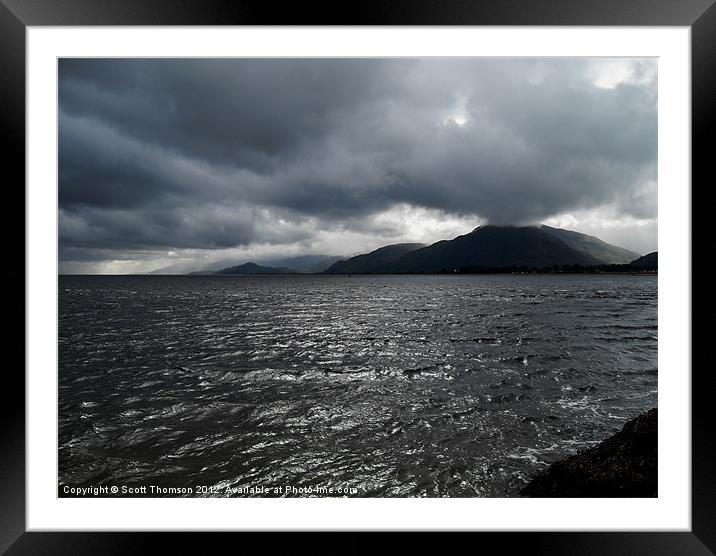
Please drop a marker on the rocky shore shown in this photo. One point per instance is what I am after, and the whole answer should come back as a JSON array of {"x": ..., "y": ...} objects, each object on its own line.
[{"x": 623, "y": 465}]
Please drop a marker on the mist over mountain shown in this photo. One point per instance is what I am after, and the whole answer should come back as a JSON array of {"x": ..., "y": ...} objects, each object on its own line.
[
  {"x": 253, "y": 268},
  {"x": 176, "y": 269}
]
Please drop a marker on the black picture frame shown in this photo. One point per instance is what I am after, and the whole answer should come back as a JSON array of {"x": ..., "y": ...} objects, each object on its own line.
[{"x": 16, "y": 15}]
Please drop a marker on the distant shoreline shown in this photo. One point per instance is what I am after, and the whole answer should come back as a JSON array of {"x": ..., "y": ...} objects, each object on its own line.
[{"x": 299, "y": 274}]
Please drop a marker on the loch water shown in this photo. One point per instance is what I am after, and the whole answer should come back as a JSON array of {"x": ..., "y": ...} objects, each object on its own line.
[{"x": 392, "y": 385}]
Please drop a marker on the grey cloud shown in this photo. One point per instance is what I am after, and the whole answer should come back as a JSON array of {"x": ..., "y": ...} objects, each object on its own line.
[{"x": 212, "y": 153}]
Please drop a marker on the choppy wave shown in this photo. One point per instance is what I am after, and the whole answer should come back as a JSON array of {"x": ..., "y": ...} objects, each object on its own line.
[{"x": 394, "y": 385}]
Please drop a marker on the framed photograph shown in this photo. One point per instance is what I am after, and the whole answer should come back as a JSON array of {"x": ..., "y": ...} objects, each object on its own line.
[{"x": 288, "y": 271}]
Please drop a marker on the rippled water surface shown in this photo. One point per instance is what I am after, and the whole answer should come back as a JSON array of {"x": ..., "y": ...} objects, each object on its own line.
[{"x": 393, "y": 385}]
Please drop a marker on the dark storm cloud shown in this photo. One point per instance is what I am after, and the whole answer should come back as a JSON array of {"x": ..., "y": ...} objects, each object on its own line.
[{"x": 221, "y": 153}]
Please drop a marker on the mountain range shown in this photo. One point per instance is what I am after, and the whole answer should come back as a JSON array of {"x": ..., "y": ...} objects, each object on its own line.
[{"x": 489, "y": 248}]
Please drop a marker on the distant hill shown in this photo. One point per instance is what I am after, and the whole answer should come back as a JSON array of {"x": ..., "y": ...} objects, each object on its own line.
[
  {"x": 593, "y": 246},
  {"x": 193, "y": 268},
  {"x": 304, "y": 263},
  {"x": 300, "y": 263},
  {"x": 375, "y": 261},
  {"x": 253, "y": 268},
  {"x": 180, "y": 268},
  {"x": 649, "y": 261},
  {"x": 491, "y": 247}
]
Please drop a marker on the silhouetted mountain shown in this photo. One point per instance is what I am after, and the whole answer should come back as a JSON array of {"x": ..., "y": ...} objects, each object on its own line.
[
  {"x": 253, "y": 268},
  {"x": 491, "y": 247},
  {"x": 374, "y": 261},
  {"x": 593, "y": 246},
  {"x": 649, "y": 261}
]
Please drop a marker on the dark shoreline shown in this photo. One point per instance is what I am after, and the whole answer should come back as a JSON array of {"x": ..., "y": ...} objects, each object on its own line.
[
  {"x": 383, "y": 274},
  {"x": 621, "y": 466}
]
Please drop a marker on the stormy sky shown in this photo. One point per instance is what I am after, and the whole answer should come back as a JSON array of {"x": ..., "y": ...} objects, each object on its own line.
[{"x": 180, "y": 163}]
